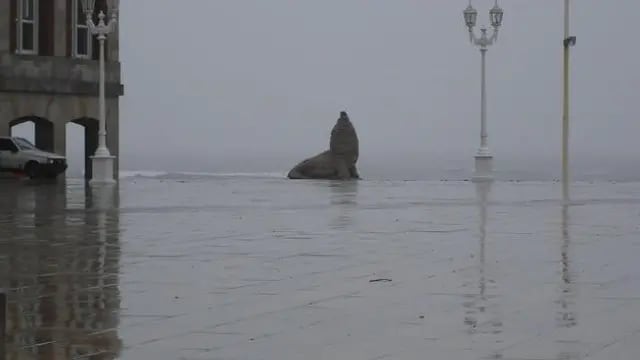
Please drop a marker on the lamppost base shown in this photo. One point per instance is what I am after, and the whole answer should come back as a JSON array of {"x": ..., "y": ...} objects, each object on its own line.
[
  {"x": 103, "y": 197},
  {"x": 102, "y": 167},
  {"x": 484, "y": 168}
]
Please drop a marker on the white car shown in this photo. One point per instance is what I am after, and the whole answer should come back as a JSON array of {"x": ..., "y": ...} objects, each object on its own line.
[{"x": 20, "y": 155}]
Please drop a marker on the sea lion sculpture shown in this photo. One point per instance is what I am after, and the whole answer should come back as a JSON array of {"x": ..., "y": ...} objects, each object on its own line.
[{"x": 337, "y": 163}]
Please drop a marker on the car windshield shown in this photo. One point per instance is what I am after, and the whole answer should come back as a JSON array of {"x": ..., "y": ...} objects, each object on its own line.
[{"x": 24, "y": 144}]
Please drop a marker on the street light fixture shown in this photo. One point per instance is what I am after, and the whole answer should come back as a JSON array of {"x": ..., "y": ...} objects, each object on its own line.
[
  {"x": 483, "y": 158},
  {"x": 102, "y": 160},
  {"x": 496, "y": 14},
  {"x": 470, "y": 16}
]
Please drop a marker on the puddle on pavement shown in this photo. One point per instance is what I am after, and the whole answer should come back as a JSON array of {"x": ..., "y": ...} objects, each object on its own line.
[{"x": 60, "y": 274}]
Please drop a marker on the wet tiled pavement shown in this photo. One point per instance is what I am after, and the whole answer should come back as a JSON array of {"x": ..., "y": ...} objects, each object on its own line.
[{"x": 235, "y": 268}]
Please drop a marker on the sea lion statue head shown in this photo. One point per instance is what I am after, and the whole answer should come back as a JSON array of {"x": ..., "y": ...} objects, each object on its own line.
[{"x": 344, "y": 140}]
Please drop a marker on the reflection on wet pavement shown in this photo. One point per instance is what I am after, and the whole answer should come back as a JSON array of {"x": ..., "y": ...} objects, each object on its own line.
[
  {"x": 273, "y": 269},
  {"x": 61, "y": 273}
]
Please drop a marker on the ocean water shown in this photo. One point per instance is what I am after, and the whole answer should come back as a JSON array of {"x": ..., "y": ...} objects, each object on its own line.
[{"x": 255, "y": 266}]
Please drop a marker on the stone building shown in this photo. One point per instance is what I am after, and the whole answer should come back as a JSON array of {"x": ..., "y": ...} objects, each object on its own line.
[{"x": 49, "y": 74}]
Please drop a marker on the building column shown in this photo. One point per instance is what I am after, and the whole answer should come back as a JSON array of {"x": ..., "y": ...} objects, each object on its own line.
[
  {"x": 90, "y": 146},
  {"x": 113, "y": 133},
  {"x": 3, "y": 318},
  {"x": 5, "y": 25},
  {"x": 5, "y": 118},
  {"x": 44, "y": 135},
  {"x": 60, "y": 28},
  {"x": 5, "y": 129},
  {"x": 113, "y": 45},
  {"x": 60, "y": 138}
]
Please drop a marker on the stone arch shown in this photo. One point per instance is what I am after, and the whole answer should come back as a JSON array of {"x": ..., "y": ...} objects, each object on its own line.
[
  {"x": 90, "y": 126},
  {"x": 44, "y": 131}
]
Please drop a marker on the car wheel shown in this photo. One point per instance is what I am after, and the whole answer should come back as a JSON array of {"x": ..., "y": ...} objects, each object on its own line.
[{"x": 32, "y": 169}]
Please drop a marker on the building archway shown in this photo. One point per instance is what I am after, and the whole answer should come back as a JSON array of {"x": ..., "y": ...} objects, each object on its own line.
[
  {"x": 43, "y": 132},
  {"x": 75, "y": 150},
  {"x": 90, "y": 126}
]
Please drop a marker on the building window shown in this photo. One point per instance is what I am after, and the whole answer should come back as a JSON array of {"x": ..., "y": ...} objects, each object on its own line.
[
  {"x": 27, "y": 27},
  {"x": 82, "y": 42}
]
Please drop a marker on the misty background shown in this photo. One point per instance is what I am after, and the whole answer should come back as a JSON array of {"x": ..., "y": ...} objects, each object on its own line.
[{"x": 255, "y": 86}]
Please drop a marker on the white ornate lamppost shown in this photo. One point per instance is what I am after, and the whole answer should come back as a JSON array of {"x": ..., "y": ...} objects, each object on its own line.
[
  {"x": 483, "y": 158},
  {"x": 102, "y": 160}
]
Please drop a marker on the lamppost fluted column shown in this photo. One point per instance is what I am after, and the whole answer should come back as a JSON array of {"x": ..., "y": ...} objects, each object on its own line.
[
  {"x": 102, "y": 160},
  {"x": 102, "y": 150},
  {"x": 484, "y": 146},
  {"x": 483, "y": 158}
]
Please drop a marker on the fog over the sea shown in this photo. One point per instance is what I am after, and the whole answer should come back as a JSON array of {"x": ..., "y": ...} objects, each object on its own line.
[{"x": 256, "y": 85}]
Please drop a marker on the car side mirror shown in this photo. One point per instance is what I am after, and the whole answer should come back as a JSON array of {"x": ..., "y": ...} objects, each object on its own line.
[{"x": 14, "y": 150}]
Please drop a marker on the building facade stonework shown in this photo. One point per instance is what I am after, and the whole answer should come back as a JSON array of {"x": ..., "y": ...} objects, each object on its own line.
[{"x": 49, "y": 74}]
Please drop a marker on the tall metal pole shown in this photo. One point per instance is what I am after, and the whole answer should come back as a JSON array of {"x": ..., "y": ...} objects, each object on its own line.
[{"x": 565, "y": 107}]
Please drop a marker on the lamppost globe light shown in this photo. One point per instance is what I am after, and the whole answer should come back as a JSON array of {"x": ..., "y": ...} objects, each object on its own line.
[
  {"x": 496, "y": 14},
  {"x": 88, "y": 6},
  {"x": 470, "y": 16}
]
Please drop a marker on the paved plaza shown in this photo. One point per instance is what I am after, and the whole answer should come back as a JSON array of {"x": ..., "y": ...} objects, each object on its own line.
[{"x": 202, "y": 268}]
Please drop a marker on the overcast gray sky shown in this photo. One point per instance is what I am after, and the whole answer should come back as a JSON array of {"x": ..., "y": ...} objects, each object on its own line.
[{"x": 257, "y": 85}]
